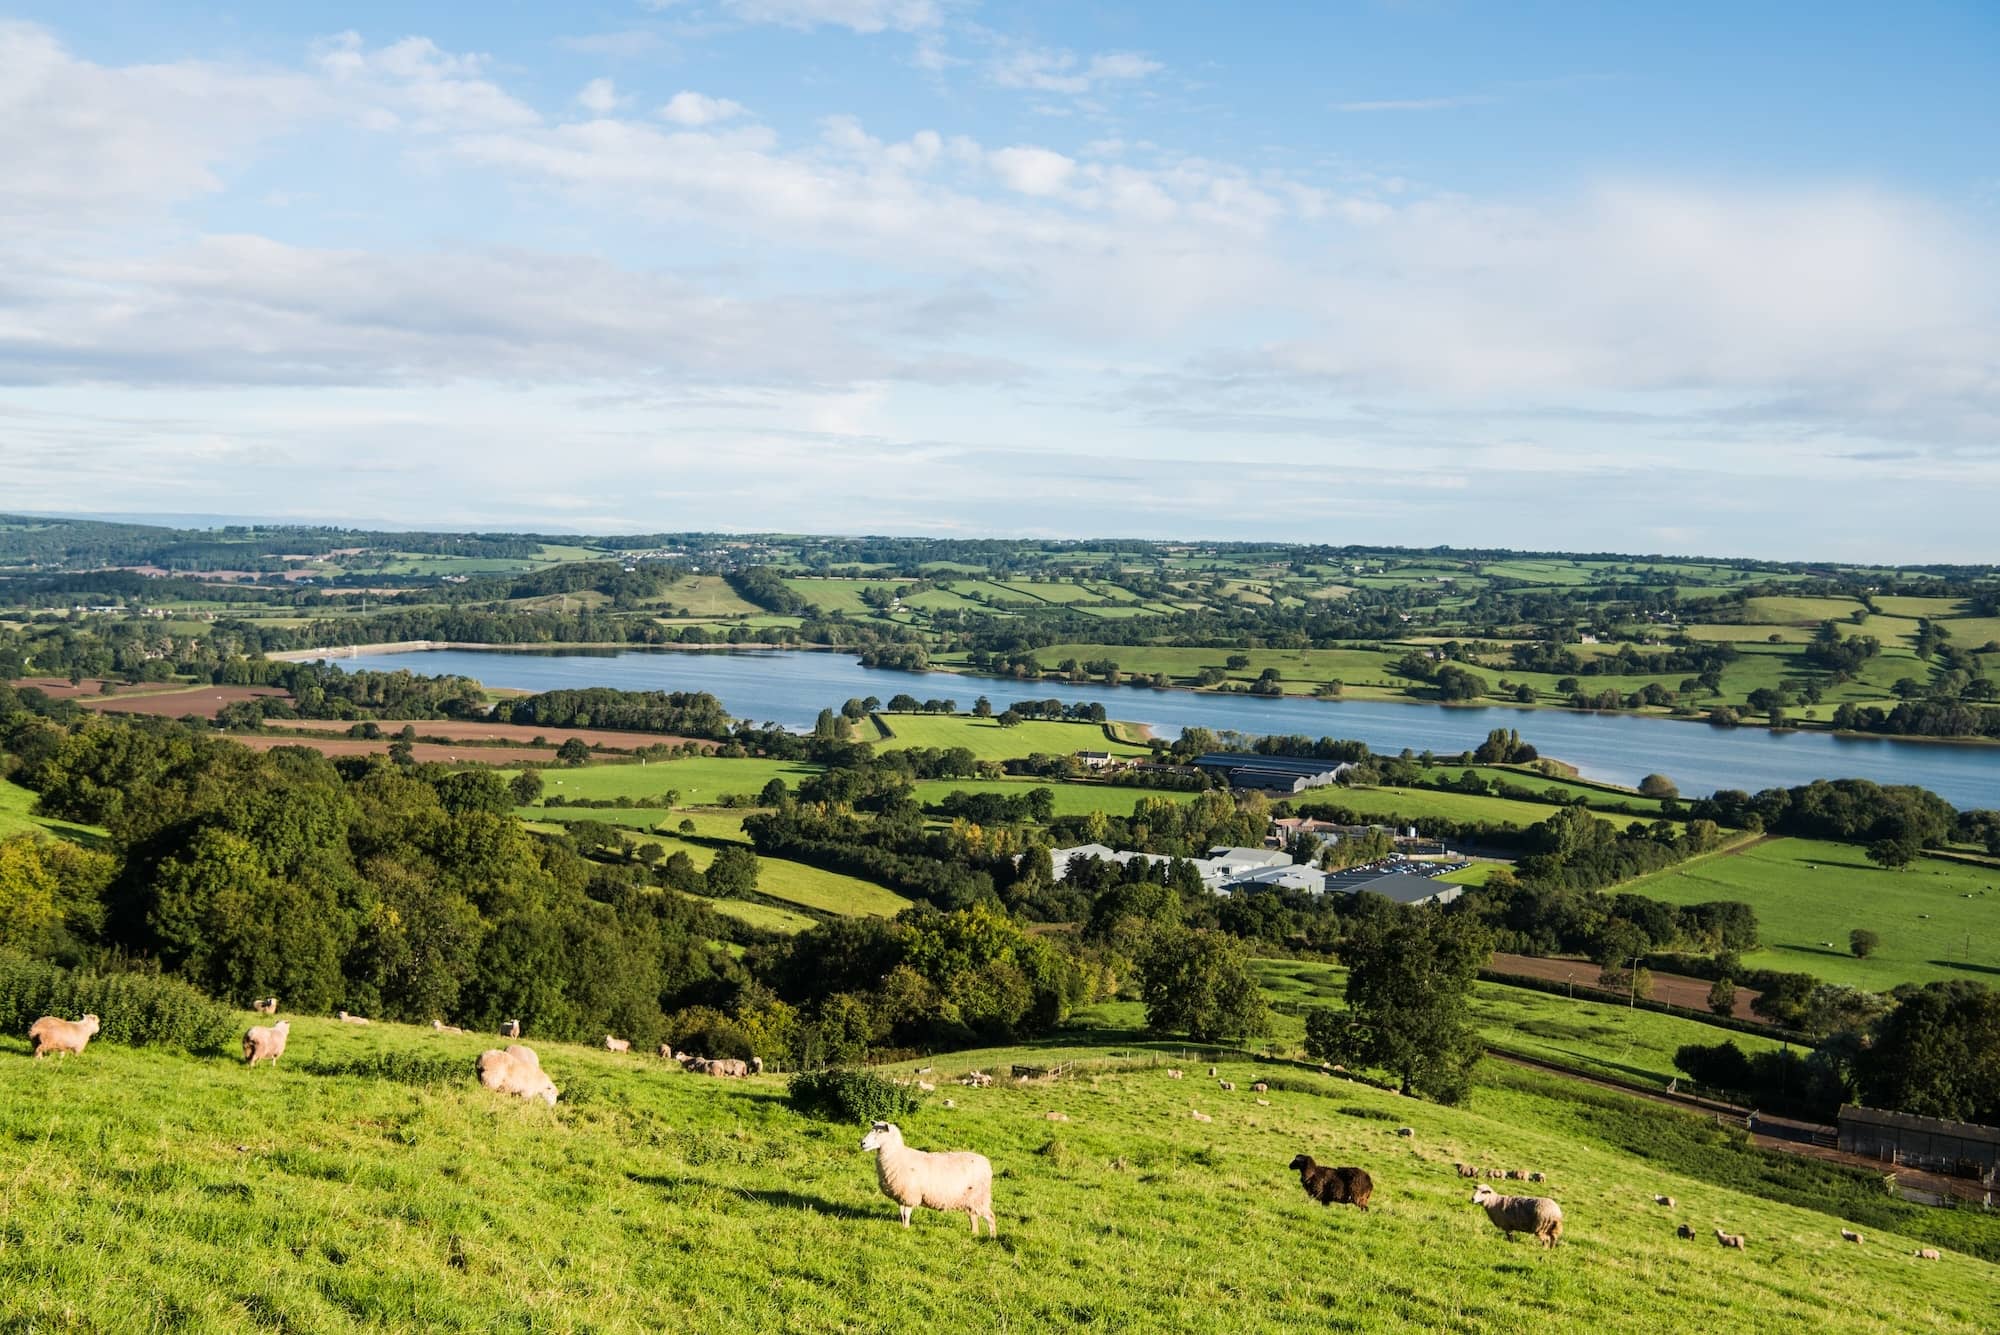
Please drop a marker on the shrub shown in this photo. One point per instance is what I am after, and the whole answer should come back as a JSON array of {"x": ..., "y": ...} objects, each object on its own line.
[
  {"x": 851, "y": 1096},
  {"x": 133, "y": 1008},
  {"x": 404, "y": 1068}
]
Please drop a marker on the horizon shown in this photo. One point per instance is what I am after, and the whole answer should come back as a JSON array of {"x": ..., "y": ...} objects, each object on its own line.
[{"x": 1394, "y": 275}]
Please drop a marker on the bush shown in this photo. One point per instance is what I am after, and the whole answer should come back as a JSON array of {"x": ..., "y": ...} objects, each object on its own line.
[
  {"x": 133, "y": 1008},
  {"x": 851, "y": 1096},
  {"x": 404, "y": 1068}
]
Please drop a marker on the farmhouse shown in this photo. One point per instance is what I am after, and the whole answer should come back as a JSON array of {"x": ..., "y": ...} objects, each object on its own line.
[
  {"x": 1277, "y": 774},
  {"x": 1094, "y": 759},
  {"x": 1962, "y": 1149}
]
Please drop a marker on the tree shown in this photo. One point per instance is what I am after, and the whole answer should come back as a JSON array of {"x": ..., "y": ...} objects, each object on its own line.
[
  {"x": 1199, "y": 983},
  {"x": 982, "y": 708},
  {"x": 1409, "y": 991},
  {"x": 526, "y": 788},
  {"x": 773, "y": 794},
  {"x": 1862, "y": 942},
  {"x": 573, "y": 752},
  {"x": 1937, "y": 1054},
  {"x": 1660, "y": 786},
  {"x": 1895, "y": 852},
  {"x": 1722, "y": 997},
  {"x": 733, "y": 874}
]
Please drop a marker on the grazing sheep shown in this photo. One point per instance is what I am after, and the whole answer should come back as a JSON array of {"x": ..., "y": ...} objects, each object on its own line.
[
  {"x": 1684, "y": 1231},
  {"x": 617, "y": 1044},
  {"x": 1200, "y": 1116},
  {"x": 941, "y": 1181},
  {"x": 1406, "y": 1131},
  {"x": 1849, "y": 1235},
  {"x": 345, "y": 1018},
  {"x": 725, "y": 1066},
  {"x": 1522, "y": 1214},
  {"x": 510, "y": 1029},
  {"x": 1465, "y": 1170},
  {"x": 1229, "y": 1085},
  {"x": 976, "y": 1080},
  {"x": 57, "y": 1035},
  {"x": 1927, "y": 1253},
  {"x": 265, "y": 1006},
  {"x": 1211, "y": 1073},
  {"x": 1173, "y": 1073},
  {"x": 667, "y": 1051},
  {"x": 1056, "y": 1117},
  {"x": 757, "y": 1068},
  {"x": 925, "y": 1070},
  {"x": 1334, "y": 1186},
  {"x": 1667, "y": 1201},
  {"x": 1538, "y": 1176},
  {"x": 950, "y": 1103},
  {"x": 1260, "y": 1088},
  {"x": 516, "y": 1070},
  {"x": 262, "y": 1042},
  {"x": 1734, "y": 1240},
  {"x": 441, "y": 1027},
  {"x": 1496, "y": 1173}
]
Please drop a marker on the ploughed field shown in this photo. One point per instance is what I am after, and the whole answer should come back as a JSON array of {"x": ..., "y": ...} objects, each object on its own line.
[{"x": 148, "y": 1188}]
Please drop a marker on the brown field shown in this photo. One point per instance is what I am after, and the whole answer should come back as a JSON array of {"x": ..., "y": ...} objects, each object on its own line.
[
  {"x": 422, "y": 751},
  {"x": 463, "y": 731},
  {"x": 204, "y": 700},
  {"x": 1672, "y": 988}
]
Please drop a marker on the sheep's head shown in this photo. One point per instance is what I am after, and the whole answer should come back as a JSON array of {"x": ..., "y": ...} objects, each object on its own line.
[
  {"x": 881, "y": 1134},
  {"x": 90, "y": 1024},
  {"x": 282, "y": 1027},
  {"x": 1300, "y": 1161},
  {"x": 1483, "y": 1193}
]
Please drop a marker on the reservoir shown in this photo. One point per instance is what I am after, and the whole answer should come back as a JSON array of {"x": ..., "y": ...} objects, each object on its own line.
[{"x": 790, "y": 687}]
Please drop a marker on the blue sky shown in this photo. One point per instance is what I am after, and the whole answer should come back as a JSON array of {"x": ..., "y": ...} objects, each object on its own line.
[{"x": 1699, "y": 278}]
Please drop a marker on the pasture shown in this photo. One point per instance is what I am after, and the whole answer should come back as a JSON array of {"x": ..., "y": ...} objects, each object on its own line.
[
  {"x": 17, "y": 816},
  {"x": 1936, "y": 919},
  {"x": 148, "y": 1188},
  {"x": 988, "y": 740}
]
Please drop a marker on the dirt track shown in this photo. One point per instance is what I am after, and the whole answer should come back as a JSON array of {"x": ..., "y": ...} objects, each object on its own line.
[{"x": 1672, "y": 988}]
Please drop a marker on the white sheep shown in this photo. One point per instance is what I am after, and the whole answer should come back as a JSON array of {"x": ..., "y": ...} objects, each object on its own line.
[
  {"x": 1733, "y": 1240},
  {"x": 1200, "y": 1116},
  {"x": 1522, "y": 1214},
  {"x": 441, "y": 1027},
  {"x": 1927, "y": 1253},
  {"x": 516, "y": 1070},
  {"x": 1055, "y": 1117},
  {"x": 1849, "y": 1235},
  {"x": 1260, "y": 1088},
  {"x": 265, "y": 1042},
  {"x": 957, "y": 1180},
  {"x": 345, "y": 1018},
  {"x": 1667, "y": 1201},
  {"x": 265, "y": 1006},
  {"x": 1229, "y": 1085},
  {"x": 57, "y": 1035},
  {"x": 1174, "y": 1073},
  {"x": 617, "y": 1044},
  {"x": 510, "y": 1029},
  {"x": 667, "y": 1051}
]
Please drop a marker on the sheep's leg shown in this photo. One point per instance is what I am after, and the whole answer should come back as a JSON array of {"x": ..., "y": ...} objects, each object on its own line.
[{"x": 906, "y": 1216}]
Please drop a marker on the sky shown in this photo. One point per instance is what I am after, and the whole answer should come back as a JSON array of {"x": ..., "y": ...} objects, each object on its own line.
[{"x": 1717, "y": 279}]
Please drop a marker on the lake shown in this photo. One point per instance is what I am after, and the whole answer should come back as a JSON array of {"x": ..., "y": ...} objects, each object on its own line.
[{"x": 790, "y": 687}]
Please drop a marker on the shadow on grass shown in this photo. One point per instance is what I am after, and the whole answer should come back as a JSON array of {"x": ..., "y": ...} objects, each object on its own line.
[
  {"x": 795, "y": 1200},
  {"x": 1835, "y": 953},
  {"x": 1965, "y": 967}
]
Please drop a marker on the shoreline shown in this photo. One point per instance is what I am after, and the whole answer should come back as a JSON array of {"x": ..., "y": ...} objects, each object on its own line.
[{"x": 419, "y": 646}]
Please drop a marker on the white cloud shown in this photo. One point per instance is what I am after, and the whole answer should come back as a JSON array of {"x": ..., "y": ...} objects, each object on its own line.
[
  {"x": 414, "y": 84},
  {"x": 1033, "y": 171},
  {"x": 697, "y": 109},
  {"x": 1050, "y": 70},
  {"x": 600, "y": 97},
  {"x": 862, "y": 16}
]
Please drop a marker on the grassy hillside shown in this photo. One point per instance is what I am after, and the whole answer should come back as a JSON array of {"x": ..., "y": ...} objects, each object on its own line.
[
  {"x": 1808, "y": 892},
  {"x": 228, "y": 1199},
  {"x": 17, "y": 805}
]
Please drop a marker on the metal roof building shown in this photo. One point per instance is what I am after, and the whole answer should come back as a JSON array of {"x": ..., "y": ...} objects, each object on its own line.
[
  {"x": 1284, "y": 774},
  {"x": 1399, "y": 886}
]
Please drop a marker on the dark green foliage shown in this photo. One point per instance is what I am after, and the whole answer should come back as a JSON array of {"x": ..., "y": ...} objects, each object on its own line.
[
  {"x": 403, "y": 1068},
  {"x": 1862, "y": 942},
  {"x": 1199, "y": 983},
  {"x": 1937, "y": 1054},
  {"x": 1409, "y": 985},
  {"x": 133, "y": 1008},
  {"x": 852, "y": 1096}
]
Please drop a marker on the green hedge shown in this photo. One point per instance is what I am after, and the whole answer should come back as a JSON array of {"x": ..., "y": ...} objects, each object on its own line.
[
  {"x": 133, "y": 1008},
  {"x": 851, "y": 1096}
]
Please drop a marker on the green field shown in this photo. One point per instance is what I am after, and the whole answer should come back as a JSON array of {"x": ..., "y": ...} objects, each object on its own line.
[
  {"x": 1421, "y": 802},
  {"x": 700, "y": 780},
  {"x": 235, "y": 1200},
  {"x": 986, "y": 739},
  {"x": 1807, "y": 892},
  {"x": 17, "y": 805},
  {"x": 1071, "y": 799}
]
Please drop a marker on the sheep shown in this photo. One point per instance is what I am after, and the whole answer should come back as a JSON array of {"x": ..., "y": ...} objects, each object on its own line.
[
  {"x": 345, "y": 1018},
  {"x": 441, "y": 1027},
  {"x": 617, "y": 1044},
  {"x": 1927, "y": 1253},
  {"x": 1538, "y": 1176},
  {"x": 1406, "y": 1131},
  {"x": 722, "y": 1066},
  {"x": 516, "y": 1070},
  {"x": 56, "y": 1035},
  {"x": 1229, "y": 1085},
  {"x": 1684, "y": 1231},
  {"x": 1522, "y": 1214},
  {"x": 1465, "y": 1170},
  {"x": 1849, "y": 1235},
  {"x": 926, "y": 1086},
  {"x": 262, "y": 1042},
  {"x": 1055, "y": 1117},
  {"x": 265, "y": 1005},
  {"x": 667, "y": 1051},
  {"x": 757, "y": 1068},
  {"x": 1496, "y": 1173},
  {"x": 957, "y": 1180},
  {"x": 1200, "y": 1116},
  {"x": 1667, "y": 1201},
  {"x": 1211, "y": 1073},
  {"x": 1734, "y": 1240},
  {"x": 510, "y": 1029},
  {"x": 1260, "y": 1088},
  {"x": 1334, "y": 1186},
  {"x": 976, "y": 1080},
  {"x": 1173, "y": 1073},
  {"x": 1263, "y": 1103}
]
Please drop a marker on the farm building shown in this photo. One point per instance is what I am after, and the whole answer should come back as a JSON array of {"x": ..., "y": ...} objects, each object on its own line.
[
  {"x": 1401, "y": 887},
  {"x": 1094, "y": 759},
  {"x": 1277, "y": 774},
  {"x": 1236, "y": 860},
  {"x": 1962, "y": 1149}
]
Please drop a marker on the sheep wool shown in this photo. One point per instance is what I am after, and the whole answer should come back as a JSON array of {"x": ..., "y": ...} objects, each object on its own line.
[
  {"x": 1522, "y": 1214},
  {"x": 52, "y": 1034},
  {"x": 956, "y": 1180},
  {"x": 518, "y": 1071},
  {"x": 265, "y": 1042},
  {"x": 1334, "y": 1186}
]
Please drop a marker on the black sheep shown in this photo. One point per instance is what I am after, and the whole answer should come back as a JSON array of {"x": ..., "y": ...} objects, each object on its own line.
[{"x": 1334, "y": 1186}]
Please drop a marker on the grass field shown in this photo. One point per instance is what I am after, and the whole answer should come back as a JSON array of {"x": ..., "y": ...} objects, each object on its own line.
[
  {"x": 228, "y": 1199},
  {"x": 700, "y": 780},
  {"x": 1422, "y": 802},
  {"x": 17, "y": 806},
  {"x": 1807, "y": 892},
  {"x": 989, "y": 741},
  {"x": 1071, "y": 799}
]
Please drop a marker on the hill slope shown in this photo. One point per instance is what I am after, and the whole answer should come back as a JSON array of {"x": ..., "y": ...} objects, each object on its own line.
[{"x": 224, "y": 1199}]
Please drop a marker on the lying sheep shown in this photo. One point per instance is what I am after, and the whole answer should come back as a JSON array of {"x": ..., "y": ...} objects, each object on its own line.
[
  {"x": 265, "y": 1042},
  {"x": 1465, "y": 1170},
  {"x": 976, "y": 1080},
  {"x": 719, "y": 1066},
  {"x": 441, "y": 1027},
  {"x": 1734, "y": 1240},
  {"x": 510, "y": 1029},
  {"x": 1334, "y": 1186},
  {"x": 1263, "y": 1103},
  {"x": 1684, "y": 1231},
  {"x": 941, "y": 1181},
  {"x": 926, "y": 1086},
  {"x": 57, "y": 1035},
  {"x": 265, "y": 1006},
  {"x": 1406, "y": 1131},
  {"x": 1056, "y": 1117},
  {"x": 617, "y": 1044},
  {"x": 1260, "y": 1088},
  {"x": 345, "y": 1018},
  {"x": 516, "y": 1070},
  {"x": 1200, "y": 1116},
  {"x": 1849, "y": 1235},
  {"x": 1927, "y": 1253},
  {"x": 1667, "y": 1201},
  {"x": 1522, "y": 1214},
  {"x": 1496, "y": 1173}
]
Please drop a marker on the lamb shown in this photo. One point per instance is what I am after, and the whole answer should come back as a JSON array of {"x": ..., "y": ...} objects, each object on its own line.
[
  {"x": 1465, "y": 1170},
  {"x": 1229, "y": 1085},
  {"x": 1260, "y": 1088},
  {"x": 516, "y": 1070},
  {"x": 1522, "y": 1214},
  {"x": 1667, "y": 1201},
  {"x": 1334, "y": 1186},
  {"x": 1263, "y": 1103},
  {"x": 1927, "y": 1253},
  {"x": 941, "y": 1181},
  {"x": 1496, "y": 1173},
  {"x": 56, "y": 1035},
  {"x": 1406, "y": 1131},
  {"x": 1734, "y": 1240},
  {"x": 1211, "y": 1073},
  {"x": 617, "y": 1044},
  {"x": 926, "y": 1086},
  {"x": 510, "y": 1029},
  {"x": 441, "y": 1027},
  {"x": 1538, "y": 1176},
  {"x": 1173, "y": 1073},
  {"x": 265, "y": 1006},
  {"x": 345, "y": 1018},
  {"x": 667, "y": 1051},
  {"x": 1849, "y": 1235},
  {"x": 1684, "y": 1231},
  {"x": 265, "y": 1042}
]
